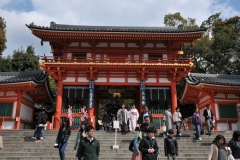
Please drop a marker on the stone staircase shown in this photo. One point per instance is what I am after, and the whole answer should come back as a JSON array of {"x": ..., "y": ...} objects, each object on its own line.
[{"x": 18, "y": 145}]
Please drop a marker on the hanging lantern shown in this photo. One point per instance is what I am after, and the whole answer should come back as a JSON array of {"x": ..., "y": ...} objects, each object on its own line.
[{"x": 180, "y": 52}]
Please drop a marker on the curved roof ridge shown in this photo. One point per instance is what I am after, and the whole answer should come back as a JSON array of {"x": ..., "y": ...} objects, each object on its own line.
[
  {"x": 215, "y": 79},
  {"x": 146, "y": 29}
]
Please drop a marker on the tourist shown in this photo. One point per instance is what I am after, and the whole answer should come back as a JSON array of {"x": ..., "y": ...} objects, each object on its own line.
[
  {"x": 89, "y": 147},
  {"x": 170, "y": 146},
  {"x": 106, "y": 121},
  {"x": 84, "y": 115},
  {"x": 35, "y": 131},
  {"x": 148, "y": 124},
  {"x": 168, "y": 119},
  {"x": 80, "y": 135},
  {"x": 234, "y": 144},
  {"x": 197, "y": 122},
  {"x": 62, "y": 137},
  {"x": 41, "y": 122},
  {"x": 70, "y": 115},
  {"x": 122, "y": 117},
  {"x": 218, "y": 150},
  {"x": 143, "y": 114},
  {"x": 177, "y": 119},
  {"x": 148, "y": 146},
  {"x": 133, "y": 114},
  {"x": 137, "y": 155},
  {"x": 207, "y": 113}
]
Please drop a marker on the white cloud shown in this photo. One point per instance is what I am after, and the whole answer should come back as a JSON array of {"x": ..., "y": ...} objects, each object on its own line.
[{"x": 96, "y": 12}]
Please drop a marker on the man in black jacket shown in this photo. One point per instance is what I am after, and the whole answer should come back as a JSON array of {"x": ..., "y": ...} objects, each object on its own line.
[
  {"x": 147, "y": 124},
  {"x": 148, "y": 146},
  {"x": 143, "y": 114},
  {"x": 171, "y": 146},
  {"x": 207, "y": 113}
]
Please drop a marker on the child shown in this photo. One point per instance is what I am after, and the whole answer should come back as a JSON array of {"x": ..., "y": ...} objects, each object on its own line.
[
  {"x": 171, "y": 146},
  {"x": 148, "y": 146}
]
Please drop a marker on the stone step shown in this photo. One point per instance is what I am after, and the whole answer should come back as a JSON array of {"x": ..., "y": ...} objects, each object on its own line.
[{"x": 18, "y": 145}]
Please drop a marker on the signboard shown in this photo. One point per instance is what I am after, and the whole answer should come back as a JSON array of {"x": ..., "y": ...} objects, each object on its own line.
[{"x": 115, "y": 124}]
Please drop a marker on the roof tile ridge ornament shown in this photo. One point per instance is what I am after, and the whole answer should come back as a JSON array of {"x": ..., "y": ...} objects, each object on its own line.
[
  {"x": 52, "y": 24},
  {"x": 181, "y": 27}
]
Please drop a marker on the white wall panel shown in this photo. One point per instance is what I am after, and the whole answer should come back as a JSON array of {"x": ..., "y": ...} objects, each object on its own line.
[
  {"x": 26, "y": 112},
  {"x": 74, "y": 44},
  {"x": 8, "y": 125},
  {"x": 132, "y": 45},
  {"x": 164, "y": 80},
  {"x": 101, "y": 80},
  {"x": 149, "y": 45},
  {"x": 82, "y": 79},
  {"x": 234, "y": 126},
  {"x": 151, "y": 80},
  {"x": 117, "y": 44},
  {"x": 14, "y": 109},
  {"x": 28, "y": 97},
  {"x": 220, "y": 95},
  {"x": 132, "y": 80},
  {"x": 1, "y": 93},
  {"x": 222, "y": 126},
  {"x": 232, "y": 96},
  {"x": 216, "y": 110},
  {"x": 117, "y": 80},
  {"x": 69, "y": 79},
  {"x": 160, "y": 45},
  {"x": 85, "y": 44},
  {"x": 165, "y": 56},
  {"x": 102, "y": 45},
  {"x": 11, "y": 93}
]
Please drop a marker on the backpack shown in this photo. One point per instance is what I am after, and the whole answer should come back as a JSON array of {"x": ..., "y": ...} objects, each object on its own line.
[{"x": 131, "y": 146}]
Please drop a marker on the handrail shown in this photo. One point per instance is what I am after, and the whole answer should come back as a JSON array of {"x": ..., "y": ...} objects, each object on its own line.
[{"x": 114, "y": 59}]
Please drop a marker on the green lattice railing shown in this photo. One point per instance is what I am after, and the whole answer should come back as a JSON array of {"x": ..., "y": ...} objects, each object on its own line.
[{"x": 157, "y": 111}]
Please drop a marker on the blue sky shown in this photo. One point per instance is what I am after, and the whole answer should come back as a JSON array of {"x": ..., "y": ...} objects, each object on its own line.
[{"x": 17, "y": 13}]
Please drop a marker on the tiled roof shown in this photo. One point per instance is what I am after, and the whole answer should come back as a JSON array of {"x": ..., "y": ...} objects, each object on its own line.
[
  {"x": 15, "y": 77},
  {"x": 83, "y": 28},
  {"x": 215, "y": 79}
]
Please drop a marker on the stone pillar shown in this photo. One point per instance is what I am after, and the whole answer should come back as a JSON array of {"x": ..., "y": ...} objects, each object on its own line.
[
  {"x": 174, "y": 96},
  {"x": 57, "y": 119}
]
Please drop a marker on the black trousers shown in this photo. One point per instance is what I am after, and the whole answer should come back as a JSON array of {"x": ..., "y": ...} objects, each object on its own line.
[{"x": 39, "y": 132}]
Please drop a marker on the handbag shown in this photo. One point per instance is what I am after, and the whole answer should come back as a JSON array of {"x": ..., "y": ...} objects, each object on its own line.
[
  {"x": 202, "y": 131},
  {"x": 56, "y": 145},
  {"x": 163, "y": 129},
  {"x": 230, "y": 156}
]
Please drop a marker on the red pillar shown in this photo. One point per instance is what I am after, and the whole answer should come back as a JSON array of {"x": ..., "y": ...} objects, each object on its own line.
[
  {"x": 58, "y": 106},
  {"x": 174, "y": 96},
  {"x": 91, "y": 117},
  {"x": 18, "y": 109}
]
